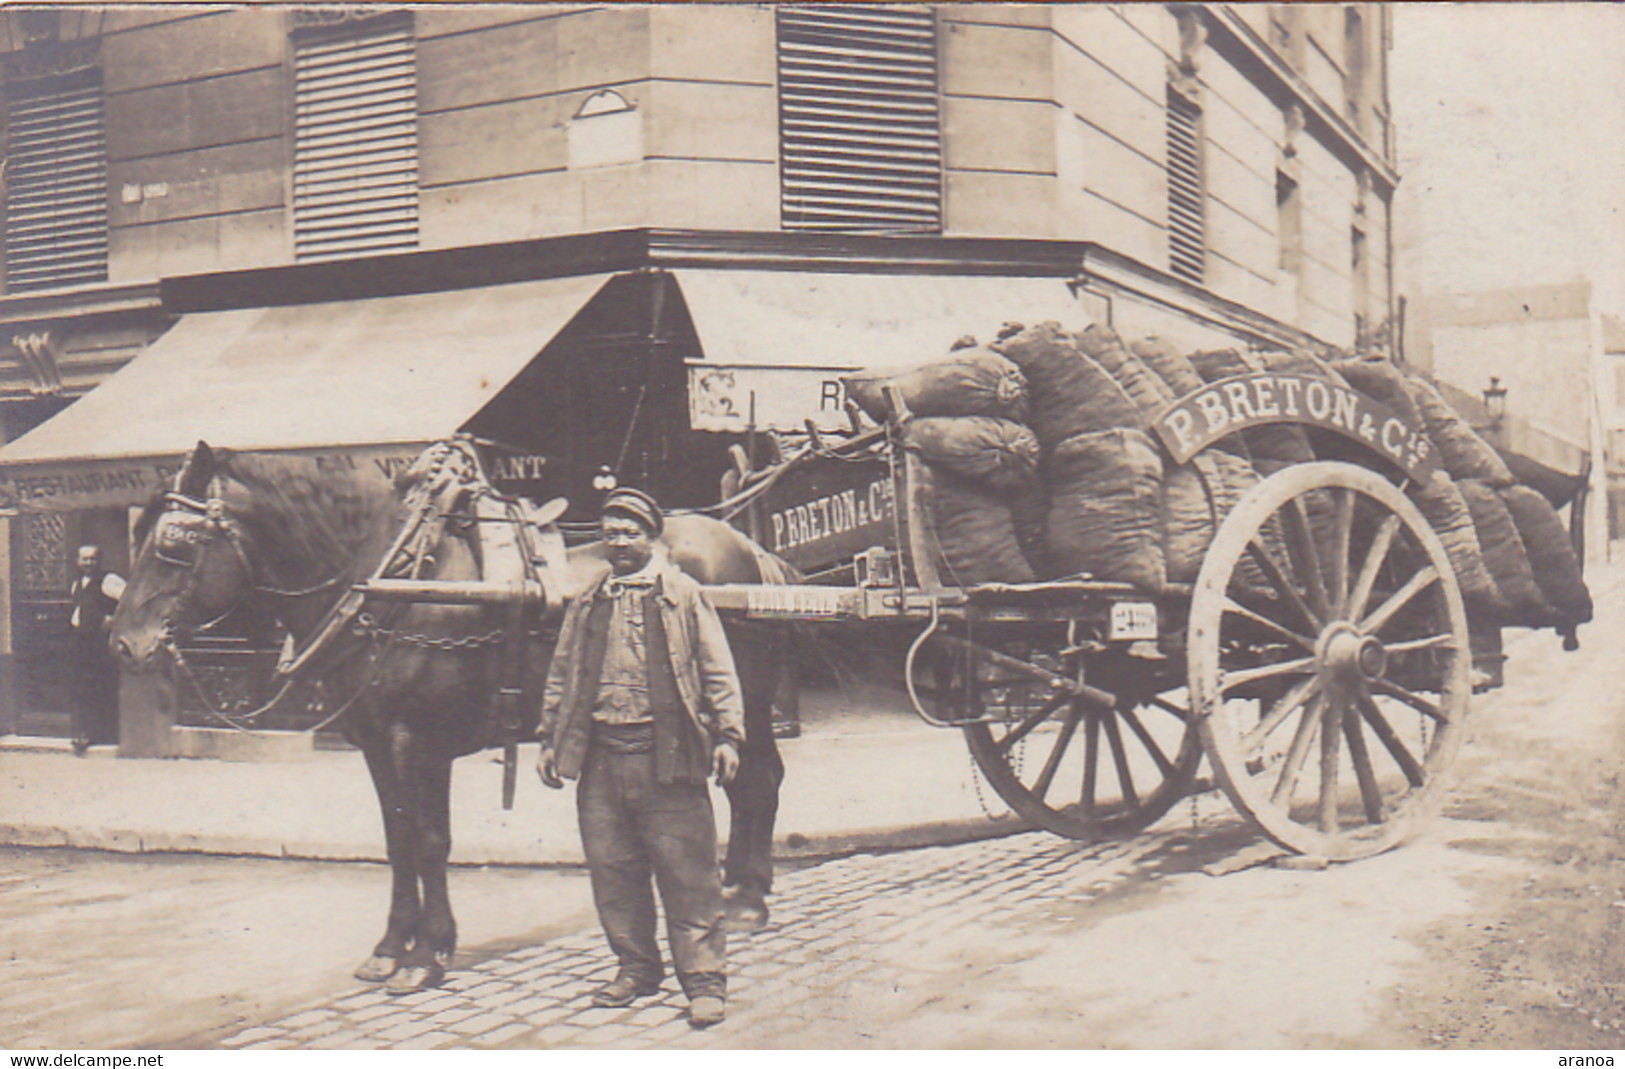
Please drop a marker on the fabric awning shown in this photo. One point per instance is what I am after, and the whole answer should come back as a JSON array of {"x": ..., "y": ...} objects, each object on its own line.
[
  {"x": 808, "y": 319},
  {"x": 372, "y": 378},
  {"x": 776, "y": 343}
]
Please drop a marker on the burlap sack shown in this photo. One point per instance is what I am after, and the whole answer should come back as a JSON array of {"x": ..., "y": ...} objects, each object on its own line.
[
  {"x": 1106, "y": 508},
  {"x": 1505, "y": 556},
  {"x": 1462, "y": 452},
  {"x": 1070, "y": 393},
  {"x": 969, "y": 382},
  {"x": 1196, "y": 498},
  {"x": 1551, "y": 554},
  {"x": 997, "y": 454},
  {"x": 1446, "y": 511},
  {"x": 976, "y": 538}
]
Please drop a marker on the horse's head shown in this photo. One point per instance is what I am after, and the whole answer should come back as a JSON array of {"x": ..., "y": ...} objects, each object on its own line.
[{"x": 193, "y": 567}]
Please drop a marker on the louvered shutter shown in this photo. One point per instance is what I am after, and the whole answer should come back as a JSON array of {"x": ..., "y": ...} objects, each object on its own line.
[
  {"x": 1187, "y": 250},
  {"x": 859, "y": 126},
  {"x": 56, "y": 187},
  {"x": 355, "y": 172}
]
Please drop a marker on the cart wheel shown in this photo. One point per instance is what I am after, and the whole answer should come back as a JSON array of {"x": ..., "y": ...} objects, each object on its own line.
[
  {"x": 1133, "y": 762},
  {"x": 1328, "y": 660}
]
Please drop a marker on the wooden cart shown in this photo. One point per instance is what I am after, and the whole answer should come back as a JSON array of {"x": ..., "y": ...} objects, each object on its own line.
[{"x": 1319, "y": 661}]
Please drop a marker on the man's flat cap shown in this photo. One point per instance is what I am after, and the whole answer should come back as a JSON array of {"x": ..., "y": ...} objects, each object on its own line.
[{"x": 627, "y": 501}]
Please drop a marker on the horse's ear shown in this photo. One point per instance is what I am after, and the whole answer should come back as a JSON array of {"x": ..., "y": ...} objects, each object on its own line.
[{"x": 193, "y": 480}]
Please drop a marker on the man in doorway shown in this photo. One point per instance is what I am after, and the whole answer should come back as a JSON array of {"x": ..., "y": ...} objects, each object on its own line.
[
  {"x": 643, "y": 704},
  {"x": 93, "y": 597}
]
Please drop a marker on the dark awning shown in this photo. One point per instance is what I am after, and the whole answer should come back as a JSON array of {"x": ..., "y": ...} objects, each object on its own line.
[{"x": 371, "y": 379}]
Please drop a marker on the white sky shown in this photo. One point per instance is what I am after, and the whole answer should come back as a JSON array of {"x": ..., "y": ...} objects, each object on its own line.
[{"x": 1511, "y": 128}]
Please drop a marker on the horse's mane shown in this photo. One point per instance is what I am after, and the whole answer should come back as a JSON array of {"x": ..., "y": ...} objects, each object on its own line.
[{"x": 309, "y": 511}]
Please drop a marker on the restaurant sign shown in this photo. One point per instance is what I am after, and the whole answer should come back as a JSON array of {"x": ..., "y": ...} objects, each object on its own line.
[
  {"x": 1201, "y": 417},
  {"x": 71, "y": 485}
]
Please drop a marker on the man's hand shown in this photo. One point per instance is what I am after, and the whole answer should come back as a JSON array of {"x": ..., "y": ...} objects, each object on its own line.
[
  {"x": 547, "y": 768},
  {"x": 726, "y": 760}
]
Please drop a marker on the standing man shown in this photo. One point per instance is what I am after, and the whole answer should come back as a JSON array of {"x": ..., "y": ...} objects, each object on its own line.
[
  {"x": 94, "y": 686},
  {"x": 643, "y": 704}
]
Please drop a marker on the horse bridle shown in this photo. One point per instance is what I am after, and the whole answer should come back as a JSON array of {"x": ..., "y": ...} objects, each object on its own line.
[{"x": 217, "y": 526}]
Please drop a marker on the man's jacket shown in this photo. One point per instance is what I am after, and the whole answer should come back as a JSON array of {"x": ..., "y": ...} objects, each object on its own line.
[{"x": 702, "y": 704}]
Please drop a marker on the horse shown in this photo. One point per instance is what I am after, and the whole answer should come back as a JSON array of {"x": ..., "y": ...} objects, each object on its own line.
[{"x": 412, "y": 687}]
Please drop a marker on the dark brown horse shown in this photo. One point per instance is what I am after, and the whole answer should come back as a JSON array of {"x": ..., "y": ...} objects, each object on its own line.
[{"x": 412, "y": 685}]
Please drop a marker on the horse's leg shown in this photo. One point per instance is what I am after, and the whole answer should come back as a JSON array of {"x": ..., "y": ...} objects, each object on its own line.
[
  {"x": 436, "y": 937},
  {"x": 753, "y": 796},
  {"x": 400, "y": 843}
]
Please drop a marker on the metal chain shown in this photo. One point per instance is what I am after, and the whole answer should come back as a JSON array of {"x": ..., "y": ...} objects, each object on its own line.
[{"x": 367, "y": 625}]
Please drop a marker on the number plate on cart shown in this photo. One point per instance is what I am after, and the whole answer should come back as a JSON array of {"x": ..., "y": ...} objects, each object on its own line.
[{"x": 1132, "y": 620}]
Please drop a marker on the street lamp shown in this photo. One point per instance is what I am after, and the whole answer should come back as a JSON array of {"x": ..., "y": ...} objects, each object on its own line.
[{"x": 1495, "y": 403}]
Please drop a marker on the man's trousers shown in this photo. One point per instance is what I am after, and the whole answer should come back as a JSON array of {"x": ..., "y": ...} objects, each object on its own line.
[{"x": 634, "y": 828}]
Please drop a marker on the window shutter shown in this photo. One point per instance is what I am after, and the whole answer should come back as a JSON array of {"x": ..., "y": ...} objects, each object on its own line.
[
  {"x": 56, "y": 187},
  {"x": 355, "y": 172},
  {"x": 1187, "y": 250},
  {"x": 859, "y": 127}
]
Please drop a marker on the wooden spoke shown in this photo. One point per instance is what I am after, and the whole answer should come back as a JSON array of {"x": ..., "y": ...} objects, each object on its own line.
[
  {"x": 1342, "y": 528},
  {"x": 1020, "y": 731},
  {"x": 1330, "y": 728},
  {"x": 1422, "y": 705},
  {"x": 1370, "y": 793},
  {"x": 1133, "y": 721},
  {"x": 1401, "y": 597},
  {"x": 1114, "y": 736},
  {"x": 1069, "y": 728},
  {"x": 1375, "y": 555},
  {"x": 1410, "y": 645},
  {"x": 1163, "y": 703},
  {"x": 1254, "y": 740},
  {"x": 1298, "y": 753},
  {"x": 1091, "y": 758},
  {"x": 1300, "y": 549},
  {"x": 1379, "y": 725},
  {"x": 1230, "y": 680},
  {"x": 1231, "y": 605},
  {"x": 1277, "y": 576}
]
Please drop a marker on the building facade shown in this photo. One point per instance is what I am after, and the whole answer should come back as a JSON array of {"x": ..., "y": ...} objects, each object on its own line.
[{"x": 618, "y": 239}]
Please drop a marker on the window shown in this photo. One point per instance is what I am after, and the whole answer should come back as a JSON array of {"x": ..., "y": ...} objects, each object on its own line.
[
  {"x": 355, "y": 171},
  {"x": 1288, "y": 220},
  {"x": 860, "y": 136},
  {"x": 1187, "y": 250},
  {"x": 56, "y": 183}
]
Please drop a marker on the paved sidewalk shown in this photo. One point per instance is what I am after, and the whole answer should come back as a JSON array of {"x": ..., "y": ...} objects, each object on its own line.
[{"x": 862, "y": 775}]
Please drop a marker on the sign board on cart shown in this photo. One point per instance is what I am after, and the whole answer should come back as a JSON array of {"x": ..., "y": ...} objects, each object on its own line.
[
  {"x": 827, "y": 510},
  {"x": 1201, "y": 417}
]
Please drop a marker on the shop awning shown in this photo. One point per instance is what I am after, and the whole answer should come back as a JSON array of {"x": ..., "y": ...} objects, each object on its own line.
[
  {"x": 776, "y": 343},
  {"x": 377, "y": 376},
  {"x": 808, "y": 319}
]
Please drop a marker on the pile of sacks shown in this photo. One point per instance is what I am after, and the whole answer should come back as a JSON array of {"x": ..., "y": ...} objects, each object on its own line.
[{"x": 1041, "y": 465}]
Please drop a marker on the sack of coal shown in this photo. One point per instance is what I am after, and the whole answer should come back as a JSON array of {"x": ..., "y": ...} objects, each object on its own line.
[
  {"x": 1551, "y": 554},
  {"x": 1462, "y": 452},
  {"x": 1148, "y": 392},
  {"x": 1380, "y": 380},
  {"x": 1442, "y": 505},
  {"x": 1070, "y": 394},
  {"x": 998, "y": 454},
  {"x": 968, "y": 382},
  {"x": 1215, "y": 364},
  {"x": 1105, "y": 513},
  {"x": 1029, "y": 512},
  {"x": 1168, "y": 364},
  {"x": 1196, "y": 498},
  {"x": 1505, "y": 556},
  {"x": 976, "y": 538}
]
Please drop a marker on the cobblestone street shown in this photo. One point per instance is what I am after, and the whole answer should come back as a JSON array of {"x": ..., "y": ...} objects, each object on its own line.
[{"x": 863, "y": 931}]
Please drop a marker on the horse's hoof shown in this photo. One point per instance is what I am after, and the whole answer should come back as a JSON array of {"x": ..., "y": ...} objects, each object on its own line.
[
  {"x": 378, "y": 968},
  {"x": 415, "y": 978}
]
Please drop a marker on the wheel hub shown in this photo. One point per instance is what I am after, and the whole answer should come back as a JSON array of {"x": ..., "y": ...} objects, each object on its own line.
[{"x": 1346, "y": 656}]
